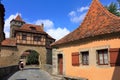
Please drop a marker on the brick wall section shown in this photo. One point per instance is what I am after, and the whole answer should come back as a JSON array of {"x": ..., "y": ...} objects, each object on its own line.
[{"x": 8, "y": 56}]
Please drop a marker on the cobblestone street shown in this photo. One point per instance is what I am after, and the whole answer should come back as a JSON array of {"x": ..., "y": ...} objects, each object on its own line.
[{"x": 31, "y": 74}]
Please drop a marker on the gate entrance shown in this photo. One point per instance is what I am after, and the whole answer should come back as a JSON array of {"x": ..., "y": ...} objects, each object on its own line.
[
  {"x": 30, "y": 57},
  {"x": 60, "y": 64}
]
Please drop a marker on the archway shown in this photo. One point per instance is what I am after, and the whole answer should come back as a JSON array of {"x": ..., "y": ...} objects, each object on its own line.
[{"x": 30, "y": 57}]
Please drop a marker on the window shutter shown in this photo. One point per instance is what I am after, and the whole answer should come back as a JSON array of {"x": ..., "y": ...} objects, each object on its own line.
[
  {"x": 75, "y": 59},
  {"x": 114, "y": 56}
]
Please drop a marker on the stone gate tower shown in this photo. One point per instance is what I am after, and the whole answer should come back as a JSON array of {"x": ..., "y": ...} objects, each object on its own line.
[{"x": 15, "y": 24}]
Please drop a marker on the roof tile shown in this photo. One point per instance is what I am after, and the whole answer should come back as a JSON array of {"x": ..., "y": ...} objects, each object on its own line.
[
  {"x": 9, "y": 42},
  {"x": 18, "y": 18},
  {"x": 98, "y": 21},
  {"x": 31, "y": 28}
]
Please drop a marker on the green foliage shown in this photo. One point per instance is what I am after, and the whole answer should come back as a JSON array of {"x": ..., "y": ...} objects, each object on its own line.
[
  {"x": 32, "y": 58},
  {"x": 113, "y": 8}
]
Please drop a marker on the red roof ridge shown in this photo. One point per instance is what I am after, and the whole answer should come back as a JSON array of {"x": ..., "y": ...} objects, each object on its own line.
[
  {"x": 106, "y": 11},
  {"x": 18, "y": 18},
  {"x": 33, "y": 25},
  {"x": 97, "y": 21},
  {"x": 28, "y": 28},
  {"x": 97, "y": 2}
]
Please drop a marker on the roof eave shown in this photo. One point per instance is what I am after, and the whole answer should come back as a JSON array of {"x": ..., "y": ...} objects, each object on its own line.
[{"x": 90, "y": 37}]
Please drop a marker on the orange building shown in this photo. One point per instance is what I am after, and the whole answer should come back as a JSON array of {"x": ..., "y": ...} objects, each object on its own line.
[{"x": 92, "y": 51}]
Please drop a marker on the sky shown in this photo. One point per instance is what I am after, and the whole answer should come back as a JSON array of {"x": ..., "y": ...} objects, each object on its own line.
[{"x": 60, "y": 17}]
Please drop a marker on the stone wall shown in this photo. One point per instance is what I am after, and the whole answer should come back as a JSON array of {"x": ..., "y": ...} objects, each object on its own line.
[
  {"x": 49, "y": 56},
  {"x": 8, "y": 56},
  {"x": 8, "y": 51},
  {"x": 5, "y": 71},
  {"x": 11, "y": 55},
  {"x": 48, "y": 68}
]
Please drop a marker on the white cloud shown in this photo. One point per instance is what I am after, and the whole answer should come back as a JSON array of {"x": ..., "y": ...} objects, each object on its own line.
[
  {"x": 78, "y": 15},
  {"x": 7, "y": 34},
  {"x": 82, "y": 9},
  {"x": 47, "y": 23},
  {"x": 79, "y": 18},
  {"x": 72, "y": 13},
  {"x": 7, "y": 24},
  {"x": 58, "y": 33}
]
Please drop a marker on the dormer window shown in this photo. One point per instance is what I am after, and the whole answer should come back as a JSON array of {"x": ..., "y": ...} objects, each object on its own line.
[{"x": 33, "y": 28}]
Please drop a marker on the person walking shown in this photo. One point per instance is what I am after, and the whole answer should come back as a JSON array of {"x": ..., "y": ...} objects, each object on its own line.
[{"x": 21, "y": 65}]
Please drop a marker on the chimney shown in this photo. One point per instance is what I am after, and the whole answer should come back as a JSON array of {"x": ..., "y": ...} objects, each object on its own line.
[{"x": 42, "y": 26}]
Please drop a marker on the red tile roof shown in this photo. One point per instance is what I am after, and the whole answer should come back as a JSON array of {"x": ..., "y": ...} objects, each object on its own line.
[
  {"x": 18, "y": 18},
  {"x": 32, "y": 28},
  {"x": 9, "y": 42},
  {"x": 98, "y": 21}
]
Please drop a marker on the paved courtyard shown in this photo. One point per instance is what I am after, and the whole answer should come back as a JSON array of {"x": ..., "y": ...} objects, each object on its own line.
[{"x": 31, "y": 74}]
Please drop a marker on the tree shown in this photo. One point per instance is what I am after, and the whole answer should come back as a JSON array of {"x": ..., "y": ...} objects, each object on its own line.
[
  {"x": 33, "y": 58},
  {"x": 113, "y": 8}
]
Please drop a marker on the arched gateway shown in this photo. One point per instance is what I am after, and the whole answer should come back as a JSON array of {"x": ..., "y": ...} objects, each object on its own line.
[
  {"x": 26, "y": 37},
  {"x": 30, "y": 57},
  {"x": 40, "y": 50}
]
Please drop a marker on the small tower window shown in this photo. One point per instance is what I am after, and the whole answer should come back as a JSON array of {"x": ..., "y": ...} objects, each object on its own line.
[
  {"x": 24, "y": 37},
  {"x": 33, "y": 28},
  {"x": 37, "y": 38}
]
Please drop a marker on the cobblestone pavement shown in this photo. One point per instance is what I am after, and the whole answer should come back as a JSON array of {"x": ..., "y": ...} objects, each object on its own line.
[{"x": 31, "y": 74}]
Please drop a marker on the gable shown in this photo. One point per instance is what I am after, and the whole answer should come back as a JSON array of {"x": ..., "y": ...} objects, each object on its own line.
[{"x": 98, "y": 21}]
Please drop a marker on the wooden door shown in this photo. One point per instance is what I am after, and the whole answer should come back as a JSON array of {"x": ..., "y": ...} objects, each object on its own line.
[{"x": 60, "y": 64}]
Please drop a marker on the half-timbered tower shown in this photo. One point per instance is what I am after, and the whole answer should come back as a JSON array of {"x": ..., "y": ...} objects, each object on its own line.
[{"x": 25, "y": 38}]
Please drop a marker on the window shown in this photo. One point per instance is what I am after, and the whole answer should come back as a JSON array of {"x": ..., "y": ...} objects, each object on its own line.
[
  {"x": 37, "y": 38},
  {"x": 24, "y": 37},
  {"x": 33, "y": 28},
  {"x": 103, "y": 57},
  {"x": 85, "y": 58}
]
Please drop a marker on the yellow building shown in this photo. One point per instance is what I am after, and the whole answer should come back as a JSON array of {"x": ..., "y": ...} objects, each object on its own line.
[{"x": 92, "y": 51}]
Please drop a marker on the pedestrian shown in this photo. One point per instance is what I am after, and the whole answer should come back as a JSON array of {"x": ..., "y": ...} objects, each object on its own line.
[{"x": 21, "y": 65}]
